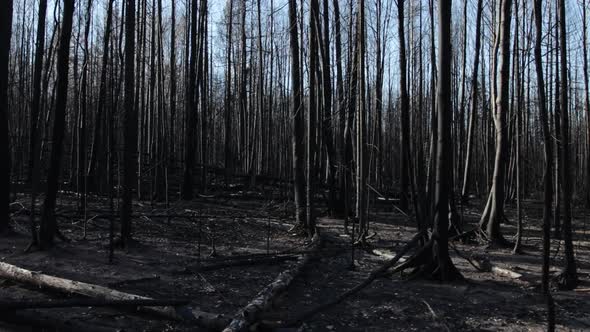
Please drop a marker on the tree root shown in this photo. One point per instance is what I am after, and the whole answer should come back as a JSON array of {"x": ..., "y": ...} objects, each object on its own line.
[
  {"x": 500, "y": 242},
  {"x": 427, "y": 264}
]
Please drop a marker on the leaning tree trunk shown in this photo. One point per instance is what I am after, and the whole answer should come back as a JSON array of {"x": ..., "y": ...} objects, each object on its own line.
[
  {"x": 5, "y": 33},
  {"x": 48, "y": 223},
  {"x": 130, "y": 125},
  {"x": 494, "y": 212}
]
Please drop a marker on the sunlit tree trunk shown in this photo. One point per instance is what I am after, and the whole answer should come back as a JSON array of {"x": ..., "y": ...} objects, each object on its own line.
[{"x": 494, "y": 212}]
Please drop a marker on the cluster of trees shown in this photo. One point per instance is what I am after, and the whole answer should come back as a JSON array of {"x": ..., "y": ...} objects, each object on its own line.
[{"x": 140, "y": 95}]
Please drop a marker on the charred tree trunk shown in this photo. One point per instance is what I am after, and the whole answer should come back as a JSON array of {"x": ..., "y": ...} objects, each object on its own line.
[
  {"x": 101, "y": 92},
  {"x": 36, "y": 98},
  {"x": 494, "y": 212},
  {"x": 404, "y": 111},
  {"x": 243, "y": 96},
  {"x": 361, "y": 160},
  {"x": 5, "y": 34},
  {"x": 474, "y": 104},
  {"x": 586, "y": 99},
  {"x": 433, "y": 259},
  {"x": 190, "y": 109},
  {"x": 297, "y": 114},
  {"x": 35, "y": 109},
  {"x": 83, "y": 110},
  {"x": 548, "y": 145},
  {"x": 340, "y": 108},
  {"x": 172, "y": 137},
  {"x": 130, "y": 124},
  {"x": 547, "y": 177},
  {"x": 228, "y": 95},
  {"x": 327, "y": 111},
  {"x": 311, "y": 114},
  {"x": 568, "y": 279},
  {"x": 48, "y": 223}
]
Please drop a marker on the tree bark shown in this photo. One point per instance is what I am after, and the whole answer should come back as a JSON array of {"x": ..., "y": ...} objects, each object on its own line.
[
  {"x": 48, "y": 223},
  {"x": 130, "y": 124}
]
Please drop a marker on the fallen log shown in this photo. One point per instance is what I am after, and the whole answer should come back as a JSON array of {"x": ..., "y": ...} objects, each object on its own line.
[
  {"x": 183, "y": 313},
  {"x": 505, "y": 272},
  {"x": 264, "y": 299},
  {"x": 46, "y": 304},
  {"x": 386, "y": 255}
]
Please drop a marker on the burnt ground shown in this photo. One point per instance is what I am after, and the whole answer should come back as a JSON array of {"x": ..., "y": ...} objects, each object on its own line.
[{"x": 160, "y": 264}]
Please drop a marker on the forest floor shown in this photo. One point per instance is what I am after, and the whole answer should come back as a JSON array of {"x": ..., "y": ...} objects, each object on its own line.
[{"x": 162, "y": 264}]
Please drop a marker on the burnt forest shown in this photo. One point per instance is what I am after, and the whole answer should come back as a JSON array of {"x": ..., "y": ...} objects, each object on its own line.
[{"x": 294, "y": 165}]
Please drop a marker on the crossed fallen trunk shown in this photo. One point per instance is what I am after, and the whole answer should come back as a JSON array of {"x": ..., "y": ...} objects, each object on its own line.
[{"x": 242, "y": 320}]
